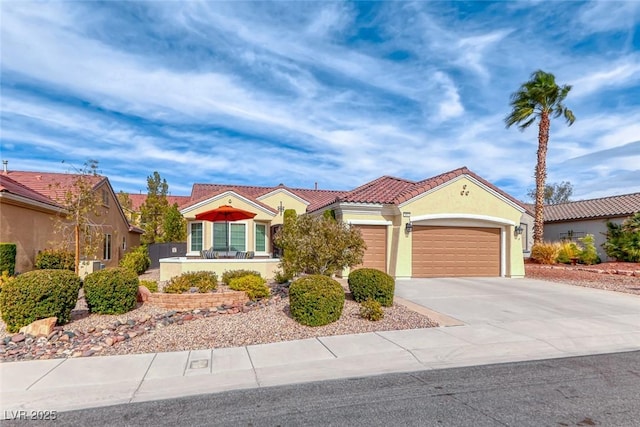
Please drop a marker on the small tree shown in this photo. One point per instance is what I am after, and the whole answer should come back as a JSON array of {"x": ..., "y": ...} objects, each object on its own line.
[
  {"x": 81, "y": 203},
  {"x": 554, "y": 193},
  {"x": 623, "y": 241},
  {"x": 154, "y": 208},
  {"x": 317, "y": 245},
  {"x": 174, "y": 225}
]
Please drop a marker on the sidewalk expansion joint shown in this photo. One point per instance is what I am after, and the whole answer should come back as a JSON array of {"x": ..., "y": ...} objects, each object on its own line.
[
  {"x": 142, "y": 379},
  {"x": 328, "y": 349},
  {"x": 46, "y": 373},
  {"x": 255, "y": 374},
  {"x": 405, "y": 349}
]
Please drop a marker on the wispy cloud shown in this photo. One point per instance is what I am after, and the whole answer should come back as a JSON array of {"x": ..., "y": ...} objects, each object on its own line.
[{"x": 299, "y": 92}]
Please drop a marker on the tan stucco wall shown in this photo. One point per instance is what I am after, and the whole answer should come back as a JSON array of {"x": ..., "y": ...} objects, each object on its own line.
[
  {"x": 554, "y": 232},
  {"x": 34, "y": 230},
  {"x": 30, "y": 230},
  {"x": 288, "y": 202}
]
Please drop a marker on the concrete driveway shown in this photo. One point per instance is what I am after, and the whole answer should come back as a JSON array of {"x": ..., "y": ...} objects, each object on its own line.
[{"x": 501, "y": 310}]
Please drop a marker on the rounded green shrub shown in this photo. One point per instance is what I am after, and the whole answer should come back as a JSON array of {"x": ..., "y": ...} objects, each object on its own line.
[
  {"x": 8, "y": 258},
  {"x": 136, "y": 260},
  {"x": 371, "y": 310},
  {"x": 369, "y": 283},
  {"x": 55, "y": 259},
  {"x": 316, "y": 300},
  {"x": 227, "y": 276},
  {"x": 37, "y": 295},
  {"x": 254, "y": 286},
  {"x": 205, "y": 281},
  {"x": 149, "y": 284},
  {"x": 111, "y": 291}
]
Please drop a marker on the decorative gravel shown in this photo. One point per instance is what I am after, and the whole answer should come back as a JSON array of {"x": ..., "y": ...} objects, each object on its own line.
[{"x": 151, "y": 329}]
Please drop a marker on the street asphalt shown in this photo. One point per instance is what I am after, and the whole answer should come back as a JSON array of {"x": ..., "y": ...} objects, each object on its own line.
[{"x": 492, "y": 321}]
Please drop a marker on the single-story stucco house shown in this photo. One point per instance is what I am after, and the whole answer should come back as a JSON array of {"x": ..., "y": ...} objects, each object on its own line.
[
  {"x": 453, "y": 224},
  {"x": 572, "y": 220},
  {"x": 30, "y": 204}
]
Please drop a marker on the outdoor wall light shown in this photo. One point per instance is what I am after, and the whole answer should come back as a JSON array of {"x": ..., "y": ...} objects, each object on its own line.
[
  {"x": 408, "y": 228},
  {"x": 518, "y": 230}
]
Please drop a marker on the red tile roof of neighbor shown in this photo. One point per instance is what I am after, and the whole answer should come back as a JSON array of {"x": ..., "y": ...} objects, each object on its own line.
[
  {"x": 605, "y": 207},
  {"x": 8, "y": 185},
  {"x": 138, "y": 199},
  {"x": 49, "y": 184}
]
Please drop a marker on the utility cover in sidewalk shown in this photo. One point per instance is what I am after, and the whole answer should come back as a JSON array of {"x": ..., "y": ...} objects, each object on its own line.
[{"x": 199, "y": 364}]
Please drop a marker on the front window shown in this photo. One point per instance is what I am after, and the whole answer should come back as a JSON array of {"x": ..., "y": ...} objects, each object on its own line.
[
  {"x": 261, "y": 238},
  {"x": 195, "y": 233},
  {"x": 106, "y": 247},
  {"x": 231, "y": 236}
]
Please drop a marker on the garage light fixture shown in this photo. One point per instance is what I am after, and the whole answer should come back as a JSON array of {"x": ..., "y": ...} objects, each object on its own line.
[
  {"x": 518, "y": 230},
  {"x": 408, "y": 228}
]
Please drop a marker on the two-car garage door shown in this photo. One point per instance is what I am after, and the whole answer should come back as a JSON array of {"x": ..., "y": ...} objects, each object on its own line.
[{"x": 455, "y": 252}]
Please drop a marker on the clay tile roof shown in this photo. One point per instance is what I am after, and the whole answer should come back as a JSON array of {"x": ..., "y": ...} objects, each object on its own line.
[
  {"x": 8, "y": 185},
  {"x": 316, "y": 198},
  {"x": 49, "y": 184},
  {"x": 138, "y": 199},
  {"x": 605, "y": 207},
  {"x": 382, "y": 190}
]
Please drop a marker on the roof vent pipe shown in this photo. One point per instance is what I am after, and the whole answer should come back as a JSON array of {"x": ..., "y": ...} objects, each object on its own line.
[
  {"x": 5, "y": 167},
  {"x": 316, "y": 186}
]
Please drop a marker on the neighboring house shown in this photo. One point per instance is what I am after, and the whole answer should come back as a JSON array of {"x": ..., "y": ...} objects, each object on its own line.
[
  {"x": 454, "y": 224},
  {"x": 573, "y": 220},
  {"x": 29, "y": 207}
]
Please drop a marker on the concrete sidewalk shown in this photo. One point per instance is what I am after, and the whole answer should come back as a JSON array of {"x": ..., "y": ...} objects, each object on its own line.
[
  {"x": 491, "y": 321},
  {"x": 66, "y": 384}
]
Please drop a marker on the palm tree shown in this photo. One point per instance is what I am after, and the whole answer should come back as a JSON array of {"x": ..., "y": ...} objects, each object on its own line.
[{"x": 541, "y": 98}]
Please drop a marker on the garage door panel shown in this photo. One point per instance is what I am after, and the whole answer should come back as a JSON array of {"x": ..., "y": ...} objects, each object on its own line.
[
  {"x": 375, "y": 237},
  {"x": 455, "y": 251}
]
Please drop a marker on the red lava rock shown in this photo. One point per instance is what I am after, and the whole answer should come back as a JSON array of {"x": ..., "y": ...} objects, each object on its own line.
[
  {"x": 87, "y": 353},
  {"x": 64, "y": 338},
  {"x": 109, "y": 341},
  {"x": 18, "y": 338},
  {"x": 187, "y": 317}
]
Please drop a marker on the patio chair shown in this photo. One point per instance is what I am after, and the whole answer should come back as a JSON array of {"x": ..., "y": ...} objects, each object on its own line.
[
  {"x": 250, "y": 254},
  {"x": 240, "y": 255}
]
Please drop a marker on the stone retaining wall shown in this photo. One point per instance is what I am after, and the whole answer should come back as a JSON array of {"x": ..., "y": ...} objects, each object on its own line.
[
  {"x": 595, "y": 270},
  {"x": 183, "y": 302}
]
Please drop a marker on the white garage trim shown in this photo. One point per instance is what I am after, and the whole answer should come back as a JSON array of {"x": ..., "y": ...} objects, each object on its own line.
[
  {"x": 368, "y": 222},
  {"x": 432, "y": 218}
]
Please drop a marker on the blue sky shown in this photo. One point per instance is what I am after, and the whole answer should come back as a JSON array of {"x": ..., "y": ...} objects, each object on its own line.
[{"x": 328, "y": 92}]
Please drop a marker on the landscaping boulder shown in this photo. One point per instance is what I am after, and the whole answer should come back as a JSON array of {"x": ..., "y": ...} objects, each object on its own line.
[
  {"x": 143, "y": 294},
  {"x": 40, "y": 327}
]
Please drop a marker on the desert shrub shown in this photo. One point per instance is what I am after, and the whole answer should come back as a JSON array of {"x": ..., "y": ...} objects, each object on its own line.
[
  {"x": 37, "y": 295},
  {"x": 149, "y": 284},
  {"x": 227, "y": 276},
  {"x": 254, "y": 286},
  {"x": 623, "y": 240},
  {"x": 369, "y": 283},
  {"x": 111, "y": 291},
  {"x": 205, "y": 281},
  {"x": 371, "y": 310},
  {"x": 55, "y": 259},
  {"x": 588, "y": 255},
  {"x": 545, "y": 253},
  {"x": 5, "y": 278},
  {"x": 316, "y": 300},
  {"x": 282, "y": 277},
  {"x": 8, "y": 258},
  {"x": 137, "y": 260},
  {"x": 567, "y": 251}
]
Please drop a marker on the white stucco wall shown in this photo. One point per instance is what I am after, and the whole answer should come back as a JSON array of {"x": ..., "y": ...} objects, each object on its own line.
[{"x": 554, "y": 232}]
